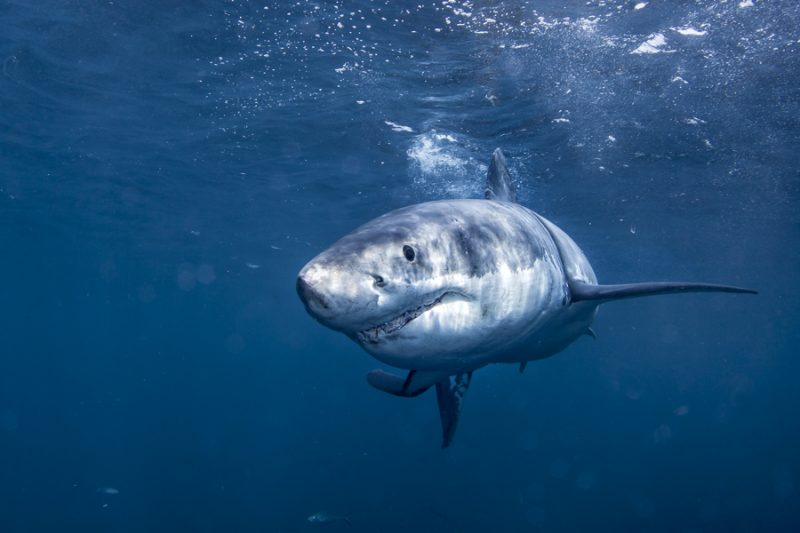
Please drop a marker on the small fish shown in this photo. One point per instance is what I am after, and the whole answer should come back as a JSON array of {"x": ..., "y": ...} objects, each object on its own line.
[
  {"x": 111, "y": 491},
  {"x": 326, "y": 518}
]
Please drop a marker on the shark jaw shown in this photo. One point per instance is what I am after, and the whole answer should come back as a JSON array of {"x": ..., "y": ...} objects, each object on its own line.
[{"x": 377, "y": 333}]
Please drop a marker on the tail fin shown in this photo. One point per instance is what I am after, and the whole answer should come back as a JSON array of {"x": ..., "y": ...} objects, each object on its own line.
[
  {"x": 583, "y": 291},
  {"x": 449, "y": 395}
]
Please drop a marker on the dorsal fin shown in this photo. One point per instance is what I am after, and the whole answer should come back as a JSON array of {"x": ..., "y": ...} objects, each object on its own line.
[{"x": 498, "y": 181}]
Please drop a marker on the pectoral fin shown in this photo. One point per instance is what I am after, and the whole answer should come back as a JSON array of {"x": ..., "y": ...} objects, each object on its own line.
[
  {"x": 414, "y": 384},
  {"x": 450, "y": 395},
  {"x": 584, "y": 291},
  {"x": 386, "y": 382}
]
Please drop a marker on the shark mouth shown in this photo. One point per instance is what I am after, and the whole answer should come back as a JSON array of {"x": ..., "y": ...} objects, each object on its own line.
[{"x": 373, "y": 334}]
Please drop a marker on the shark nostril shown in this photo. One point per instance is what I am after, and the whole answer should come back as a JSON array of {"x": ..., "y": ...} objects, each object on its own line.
[{"x": 379, "y": 281}]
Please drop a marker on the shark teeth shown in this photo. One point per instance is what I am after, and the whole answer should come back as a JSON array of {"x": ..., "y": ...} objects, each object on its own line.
[{"x": 372, "y": 335}]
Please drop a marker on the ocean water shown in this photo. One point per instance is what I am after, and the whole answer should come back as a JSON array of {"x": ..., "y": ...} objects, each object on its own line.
[{"x": 166, "y": 168}]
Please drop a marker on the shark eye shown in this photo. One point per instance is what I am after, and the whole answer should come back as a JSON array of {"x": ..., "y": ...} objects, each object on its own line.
[{"x": 409, "y": 253}]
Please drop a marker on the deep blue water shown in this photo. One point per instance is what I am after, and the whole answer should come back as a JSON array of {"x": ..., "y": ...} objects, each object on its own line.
[{"x": 167, "y": 167}]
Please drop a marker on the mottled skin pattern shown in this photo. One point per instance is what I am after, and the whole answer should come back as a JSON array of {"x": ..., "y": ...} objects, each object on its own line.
[{"x": 488, "y": 283}]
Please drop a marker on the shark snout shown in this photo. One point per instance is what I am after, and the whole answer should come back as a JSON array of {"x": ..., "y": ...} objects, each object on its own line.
[
  {"x": 311, "y": 297},
  {"x": 341, "y": 297}
]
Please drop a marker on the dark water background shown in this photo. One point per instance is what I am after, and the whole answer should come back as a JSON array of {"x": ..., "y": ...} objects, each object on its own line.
[{"x": 167, "y": 167}]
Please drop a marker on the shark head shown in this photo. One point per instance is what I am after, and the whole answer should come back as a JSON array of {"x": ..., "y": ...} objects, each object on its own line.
[{"x": 408, "y": 285}]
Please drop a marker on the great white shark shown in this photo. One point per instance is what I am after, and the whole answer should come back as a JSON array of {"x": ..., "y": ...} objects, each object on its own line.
[{"x": 443, "y": 288}]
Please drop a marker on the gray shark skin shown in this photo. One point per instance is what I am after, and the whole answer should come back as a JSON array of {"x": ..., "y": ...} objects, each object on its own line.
[{"x": 444, "y": 288}]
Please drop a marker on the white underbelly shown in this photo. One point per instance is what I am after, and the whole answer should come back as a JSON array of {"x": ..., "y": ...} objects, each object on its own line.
[{"x": 554, "y": 334}]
